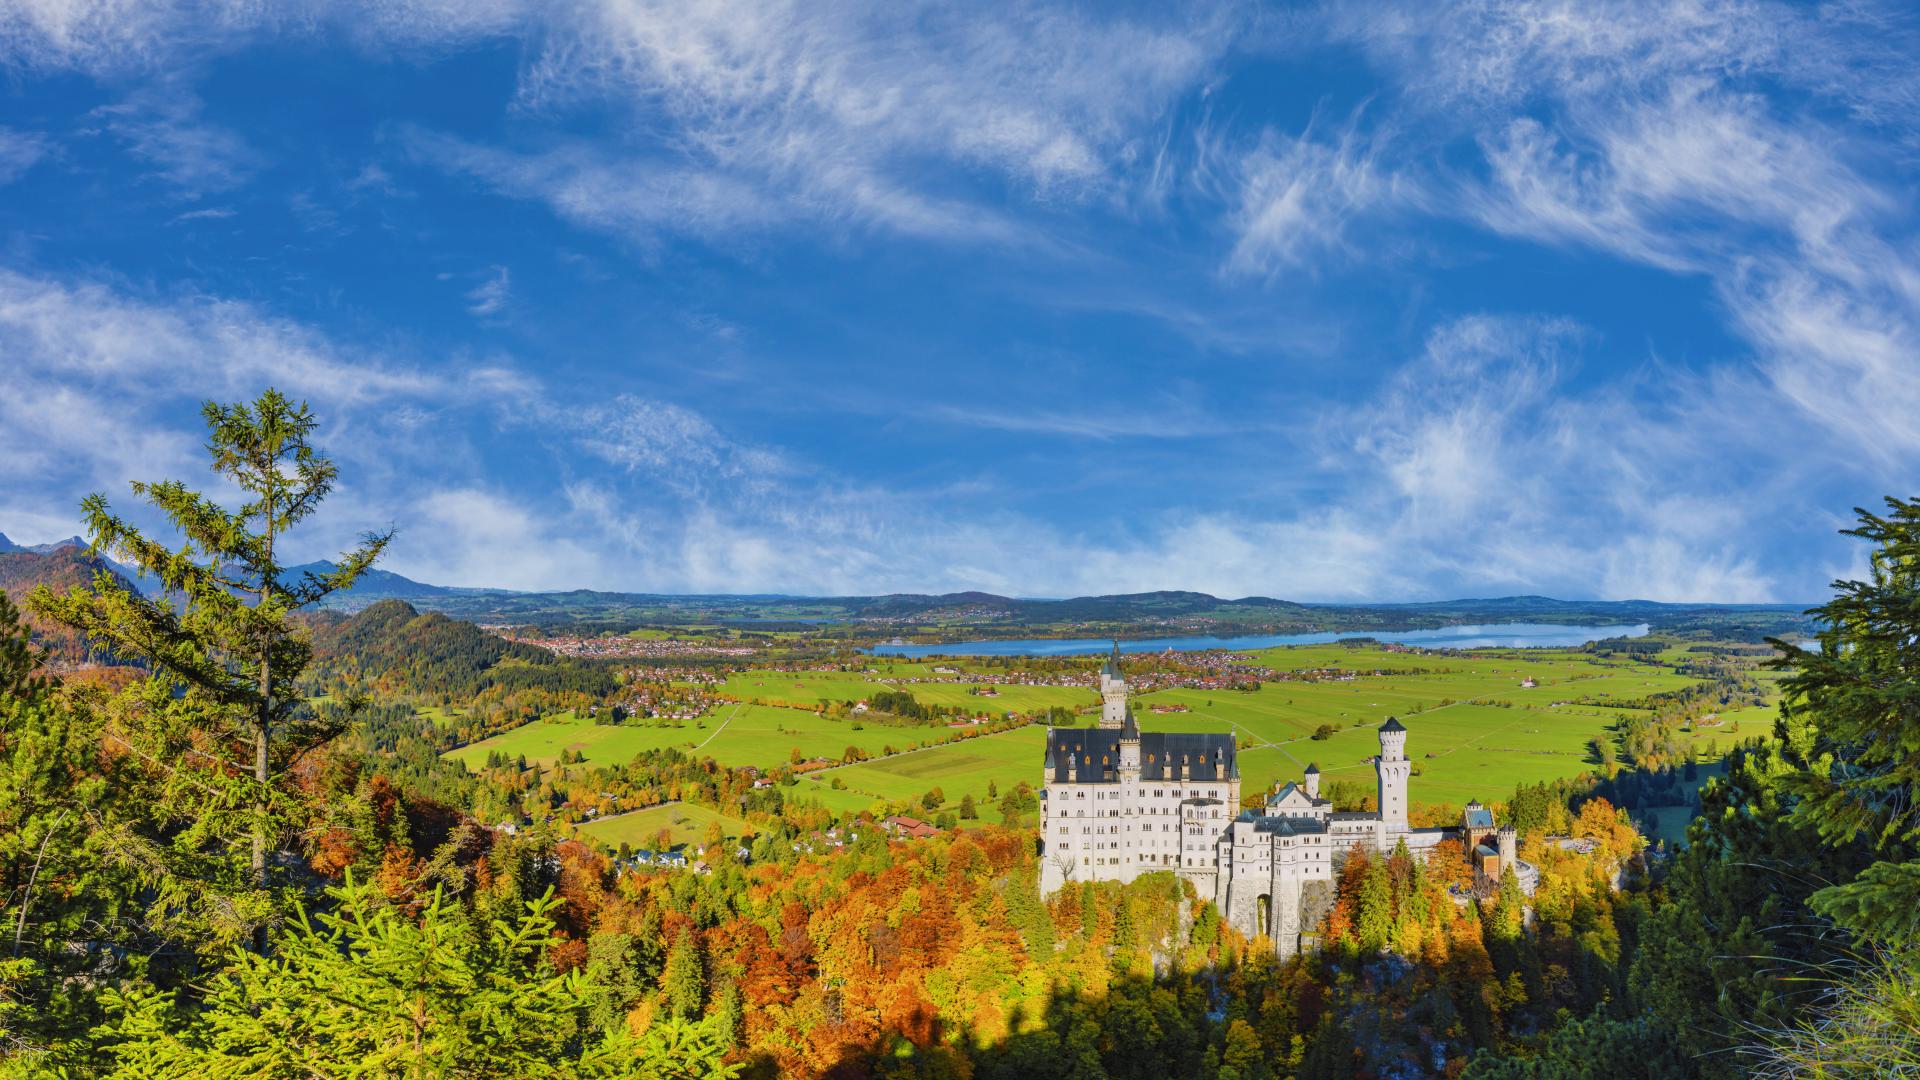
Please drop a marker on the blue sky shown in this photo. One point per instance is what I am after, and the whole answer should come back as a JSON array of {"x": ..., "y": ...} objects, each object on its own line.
[{"x": 1326, "y": 302}]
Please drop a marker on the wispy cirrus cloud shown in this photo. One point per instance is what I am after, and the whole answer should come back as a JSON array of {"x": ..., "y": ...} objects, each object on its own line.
[
  {"x": 491, "y": 296},
  {"x": 162, "y": 127},
  {"x": 1643, "y": 131},
  {"x": 1293, "y": 199},
  {"x": 19, "y": 150}
]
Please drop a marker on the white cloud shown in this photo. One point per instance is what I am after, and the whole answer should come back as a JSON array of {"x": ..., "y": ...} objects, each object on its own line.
[
  {"x": 1045, "y": 94},
  {"x": 1702, "y": 138},
  {"x": 481, "y": 537},
  {"x": 211, "y": 213},
  {"x": 1294, "y": 198},
  {"x": 1474, "y": 469},
  {"x": 161, "y": 126},
  {"x": 752, "y": 115},
  {"x": 19, "y": 151},
  {"x": 490, "y": 297}
]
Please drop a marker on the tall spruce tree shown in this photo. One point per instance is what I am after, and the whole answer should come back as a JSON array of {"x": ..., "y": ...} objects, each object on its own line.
[
  {"x": 216, "y": 719},
  {"x": 1851, "y": 711}
]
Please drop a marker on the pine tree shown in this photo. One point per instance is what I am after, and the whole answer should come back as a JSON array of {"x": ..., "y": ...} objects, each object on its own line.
[
  {"x": 367, "y": 991},
  {"x": 729, "y": 1018},
  {"x": 684, "y": 983},
  {"x": 1852, "y": 711},
  {"x": 218, "y": 718}
]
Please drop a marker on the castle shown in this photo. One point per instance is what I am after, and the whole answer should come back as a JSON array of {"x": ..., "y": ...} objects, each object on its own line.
[{"x": 1119, "y": 802}]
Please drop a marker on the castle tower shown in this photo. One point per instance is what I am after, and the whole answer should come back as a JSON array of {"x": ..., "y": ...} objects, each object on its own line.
[
  {"x": 1312, "y": 780},
  {"x": 1113, "y": 692},
  {"x": 1509, "y": 848},
  {"x": 1129, "y": 747},
  {"x": 1393, "y": 769}
]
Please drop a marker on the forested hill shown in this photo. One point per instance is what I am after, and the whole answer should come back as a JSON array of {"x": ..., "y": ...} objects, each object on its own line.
[
  {"x": 392, "y": 647},
  {"x": 60, "y": 569}
]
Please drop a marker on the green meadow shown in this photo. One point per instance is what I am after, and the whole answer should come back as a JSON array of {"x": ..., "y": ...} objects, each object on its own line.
[
  {"x": 687, "y": 822},
  {"x": 958, "y": 769},
  {"x": 542, "y": 740},
  {"x": 1474, "y": 731},
  {"x": 807, "y": 689},
  {"x": 735, "y": 734}
]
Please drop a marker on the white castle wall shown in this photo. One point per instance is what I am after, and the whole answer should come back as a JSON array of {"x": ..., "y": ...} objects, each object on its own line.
[{"x": 1255, "y": 868}]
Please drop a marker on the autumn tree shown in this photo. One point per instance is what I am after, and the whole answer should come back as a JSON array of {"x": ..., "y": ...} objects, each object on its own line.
[{"x": 63, "y": 900}]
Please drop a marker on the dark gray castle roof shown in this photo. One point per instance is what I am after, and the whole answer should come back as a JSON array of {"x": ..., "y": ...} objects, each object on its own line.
[
  {"x": 1092, "y": 755},
  {"x": 1113, "y": 663},
  {"x": 1393, "y": 724},
  {"x": 1286, "y": 826}
]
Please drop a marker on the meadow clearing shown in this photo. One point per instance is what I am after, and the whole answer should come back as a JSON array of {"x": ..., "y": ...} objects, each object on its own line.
[
  {"x": 737, "y": 734},
  {"x": 809, "y": 689},
  {"x": 688, "y": 824}
]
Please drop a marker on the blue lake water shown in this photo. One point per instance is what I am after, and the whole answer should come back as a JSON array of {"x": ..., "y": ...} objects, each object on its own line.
[{"x": 1478, "y": 636}]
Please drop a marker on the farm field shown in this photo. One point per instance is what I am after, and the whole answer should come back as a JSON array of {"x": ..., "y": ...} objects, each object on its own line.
[
  {"x": 760, "y": 735},
  {"x": 959, "y": 769},
  {"x": 687, "y": 822},
  {"x": 543, "y": 740},
  {"x": 1464, "y": 750},
  {"x": 807, "y": 689},
  {"x": 1493, "y": 733}
]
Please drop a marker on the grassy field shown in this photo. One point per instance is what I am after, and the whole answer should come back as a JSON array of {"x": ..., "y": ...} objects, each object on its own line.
[
  {"x": 741, "y": 734},
  {"x": 958, "y": 770},
  {"x": 543, "y": 740},
  {"x": 1492, "y": 734},
  {"x": 808, "y": 689},
  {"x": 687, "y": 822},
  {"x": 1474, "y": 731},
  {"x": 440, "y": 715}
]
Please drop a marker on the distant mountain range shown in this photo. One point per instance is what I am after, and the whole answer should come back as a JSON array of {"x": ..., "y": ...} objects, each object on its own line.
[
  {"x": 7, "y": 545},
  {"x": 373, "y": 585},
  {"x": 59, "y": 567},
  {"x": 1161, "y": 611}
]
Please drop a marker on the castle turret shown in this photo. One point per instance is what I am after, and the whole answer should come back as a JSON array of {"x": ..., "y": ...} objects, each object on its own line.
[
  {"x": 1509, "y": 847},
  {"x": 1113, "y": 692},
  {"x": 1392, "y": 768},
  {"x": 1129, "y": 747},
  {"x": 1312, "y": 781}
]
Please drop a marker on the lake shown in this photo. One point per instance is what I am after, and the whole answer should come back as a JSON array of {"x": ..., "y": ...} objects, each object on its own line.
[{"x": 1477, "y": 636}]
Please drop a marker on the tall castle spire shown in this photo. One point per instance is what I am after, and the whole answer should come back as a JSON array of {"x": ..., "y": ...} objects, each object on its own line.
[{"x": 1113, "y": 692}]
